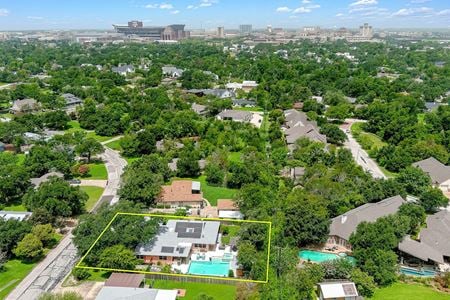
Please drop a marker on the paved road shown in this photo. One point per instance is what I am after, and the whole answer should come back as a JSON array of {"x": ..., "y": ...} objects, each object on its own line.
[
  {"x": 88, "y": 182},
  {"x": 48, "y": 273},
  {"x": 59, "y": 262},
  {"x": 359, "y": 154}
]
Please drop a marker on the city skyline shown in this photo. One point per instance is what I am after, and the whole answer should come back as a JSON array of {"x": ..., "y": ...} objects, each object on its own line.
[{"x": 209, "y": 14}]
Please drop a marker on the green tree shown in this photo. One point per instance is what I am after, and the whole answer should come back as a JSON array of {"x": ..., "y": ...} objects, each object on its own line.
[
  {"x": 29, "y": 248},
  {"x": 45, "y": 233},
  {"x": 61, "y": 296},
  {"x": 381, "y": 265},
  {"x": 333, "y": 133},
  {"x": 413, "y": 180},
  {"x": 364, "y": 282},
  {"x": 118, "y": 257},
  {"x": 188, "y": 166},
  {"x": 432, "y": 199},
  {"x": 88, "y": 147}
]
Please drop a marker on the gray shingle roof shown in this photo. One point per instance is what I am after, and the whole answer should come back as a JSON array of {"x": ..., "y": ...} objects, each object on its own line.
[
  {"x": 434, "y": 239},
  {"x": 299, "y": 126},
  {"x": 44, "y": 178},
  {"x": 345, "y": 224},
  {"x": 129, "y": 293},
  {"x": 71, "y": 99},
  {"x": 236, "y": 115},
  {"x": 437, "y": 170},
  {"x": 176, "y": 238},
  {"x": 198, "y": 108},
  {"x": 24, "y": 105}
]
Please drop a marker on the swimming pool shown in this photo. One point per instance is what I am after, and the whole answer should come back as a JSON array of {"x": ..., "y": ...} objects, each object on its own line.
[
  {"x": 417, "y": 273},
  {"x": 318, "y": 257},
  {"x": 211, "y": 268}
]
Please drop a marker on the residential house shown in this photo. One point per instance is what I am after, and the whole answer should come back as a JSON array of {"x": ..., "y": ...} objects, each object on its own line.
[
  {"x": 125, "y": 280},
  {"x": 15, "y": 215},
  {"x": 44, "y": 178},
  {"x": 177, "y": 240},
  {"x": 243, "y": 103},
  {"x": 318, "y": 99},
  {"x": 24, "y": 106},
  {"x": 246, "y": 85},
  {"x": 181, "y": 193},
  {"x": 235, "y": 115},
  {"x": 123, "y": 69},
  {"x": 344, "y": 225},
  {"x": 337, "y": 290},
  {"x": 173, "y": 72},
  {"x": 129, "y": 293},
  {"x": 163, "y": 145},
  {"x": 431, "y": 106},
  {"x": 433, "y": 245},
  {"x": 174, "y": 167},
  {"x": 228, "y": 209},
  {"x": 438, "y": 172},
  {"x": 213, "y": 75},
  {"x": 297, "y": 126},
  {"x": 72, "y": 102},
  {"x": 199, "y": 109},
  {"x": 219, "y": 93}
]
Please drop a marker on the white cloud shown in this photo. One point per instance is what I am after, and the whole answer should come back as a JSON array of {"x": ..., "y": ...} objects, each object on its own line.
[
  {"x": 313, "y": 6},
  {"x": 301, "y": 10},
  {"x": 404, "y": 12},
  {"x": 283, "y": 9},
  {"x": 35, "y": 18},
  {"x": 166, "y": 6},
  {"x": 160, "y": 6},
  {"x": 4, "y": 12},
  {"x": 444, "y": 12},
  {"x": 306, "y": 1},
  {"x": 339, "y": 15},
  {"x": 203, "y": 3},
  {"x": 175, "y": 12},
  {"x": 420, "y": 1},
  {"x": 190, "y": 7},
  {"x": 364, "y": 2}
]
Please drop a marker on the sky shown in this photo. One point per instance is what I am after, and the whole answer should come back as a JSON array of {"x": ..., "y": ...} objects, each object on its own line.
[{"x": 208, "y": 14}]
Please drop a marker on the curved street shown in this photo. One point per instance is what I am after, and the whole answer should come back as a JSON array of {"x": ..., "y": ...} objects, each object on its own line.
[{"x": 51, "y": 271}]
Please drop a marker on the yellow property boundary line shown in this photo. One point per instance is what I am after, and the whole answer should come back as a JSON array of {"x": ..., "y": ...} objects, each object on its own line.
[{"x": 79, "y": 266}]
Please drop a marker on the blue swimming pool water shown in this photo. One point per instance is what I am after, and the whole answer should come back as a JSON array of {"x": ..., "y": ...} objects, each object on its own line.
[
  {"x": 318, "y": 257},
  {"x": 210, "y": 268},
  {"x": 418, "y": 273}
]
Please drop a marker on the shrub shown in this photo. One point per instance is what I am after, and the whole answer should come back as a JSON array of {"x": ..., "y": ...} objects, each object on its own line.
[
  {"x": 81, "y": 274},
  {"x": 230, "y": 273}
]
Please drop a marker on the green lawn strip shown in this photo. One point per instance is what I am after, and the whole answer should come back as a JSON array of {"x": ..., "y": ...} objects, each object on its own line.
[
  {"x": 15, "y": 271},
  {"x": 94, "y": 193},
  {"x": 115, "y": 145},
  {"x": 235, "y": 157},
  {"x": 404, "y": 291},
  {"x": 15, "y": 207},
  {"x": 421, "y": 119},
  {"x": 97, "y": 171},
  {"x": 130, "y": 159},
  {"x": 194, "y": 289},
  {"x": 233, "y": 231},
  {"x": 20, "y": 158},
  {"x": 75, "y": 126},
  {"x": 212, "y": 193}
]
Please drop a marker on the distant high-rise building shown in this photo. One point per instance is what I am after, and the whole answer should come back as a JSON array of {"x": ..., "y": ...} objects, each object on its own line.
[
  {"x": 269, "y": 28},
  {"x": 220, "y": 32},
  {"x": 366, "y": 30},
  {"x": 170, "y": 32},
  {"x": 245, "y": 29}
]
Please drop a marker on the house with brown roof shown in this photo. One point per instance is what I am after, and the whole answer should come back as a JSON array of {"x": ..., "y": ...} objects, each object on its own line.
[
  {"x": 344, "y": 225},
  {"x": 228, "y": 209},
  {"x": 438, "y": 172},
  {"x": 182, "y": 193}
]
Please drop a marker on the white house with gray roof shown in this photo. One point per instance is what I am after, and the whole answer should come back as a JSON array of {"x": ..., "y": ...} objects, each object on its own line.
[
  {"x": 344, "y": 225},
  {"x": 235, "y": 115},
  {"x": 24, "y": 106},
  {"x": 131, "y": 293},
  {"x": 177, "y": 240},
  {"x": 123, "y": 69},
  {"x": 171, "y": 71},
  {"x": 15, "y": 215},
  {"x": 438, "y": 172}
]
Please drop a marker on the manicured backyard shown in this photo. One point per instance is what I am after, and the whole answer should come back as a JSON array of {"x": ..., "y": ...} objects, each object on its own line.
[
  {"x": 94, "y": 193},
  {"x": 404, "y": 291},
  {"x": 75, "y": 126},
  {"x": 194, "y": 289},
  {"x": 15, "y": 271},
  {"x": 15, "y": 207},
  {"x": 97, "y": 171},
  {"x": 212, "y": 193}
]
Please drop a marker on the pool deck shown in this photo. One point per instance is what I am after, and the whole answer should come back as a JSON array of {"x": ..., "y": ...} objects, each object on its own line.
[{"x": 208, "y": 256}]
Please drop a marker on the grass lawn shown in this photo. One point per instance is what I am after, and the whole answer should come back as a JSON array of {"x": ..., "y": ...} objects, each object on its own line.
[
  {"x": 367, "y": 140},
  {"x": 94, "y": 193},
  {"x": 20, "y": 158},
  {"x": 193, "y": 289},
  {"x": 233, "y": 231},
  {"x": 75, "y": 126},
  {"x": 130, "y": 159},
  {"x": 115, "y": 145},
  {"x": 15, "y": 272},
  {"x": 15, "y": 207},
  {"x": 212, "y": 193},
  {"x": 97, "y": 171},
  {"x": 404, "y": 291}
]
